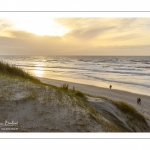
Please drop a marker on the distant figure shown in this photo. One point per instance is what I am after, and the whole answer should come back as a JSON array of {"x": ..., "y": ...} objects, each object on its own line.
[
  {"x": 73, "y": 89},
  {"x": 138, "y": 101},
  {"x": 110, "y": 87}
]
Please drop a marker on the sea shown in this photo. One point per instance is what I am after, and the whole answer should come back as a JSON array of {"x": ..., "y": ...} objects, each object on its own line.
[{"x": 128, "y": 73}]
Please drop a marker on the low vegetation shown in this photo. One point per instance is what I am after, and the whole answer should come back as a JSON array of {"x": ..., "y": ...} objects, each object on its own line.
[
  {"x": 125, "y": 108},
  {"x": 13, "y": 71},
  {"x": 65, "y": 87},
  {"x": 80, "y": 94},
  {"x": 128, "y": 109}
]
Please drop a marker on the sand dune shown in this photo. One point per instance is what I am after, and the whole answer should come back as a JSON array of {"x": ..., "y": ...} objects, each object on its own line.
[
  {"x": 117, "y": 95},
  {"x": 38, "y": 107}
]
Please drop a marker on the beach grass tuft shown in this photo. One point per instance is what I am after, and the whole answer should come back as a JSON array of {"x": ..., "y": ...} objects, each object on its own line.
[
  {"x": 80, "y": 94},
  {"x": 128, "y": 109},
  {"x": 65, "y": 86},
  {"x": 14, "y": 71}
]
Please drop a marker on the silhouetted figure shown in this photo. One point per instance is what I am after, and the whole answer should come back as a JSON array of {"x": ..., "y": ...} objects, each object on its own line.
[
  {"x": 110, "y": 87},
  {"x": 73, "y": 89},
  {"x": 138, "y": 101}
]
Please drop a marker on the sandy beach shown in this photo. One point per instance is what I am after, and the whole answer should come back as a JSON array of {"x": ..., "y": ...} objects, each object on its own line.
[{"x": 118, "y": 95}]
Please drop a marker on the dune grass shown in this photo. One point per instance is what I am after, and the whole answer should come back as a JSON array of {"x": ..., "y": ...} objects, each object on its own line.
[
  {"x": 13, "y": 71},
  {"x": 128, "y": 109},
  {"x": 65, "y": 86},
  {"x": 124, "y": 108},
  {"x": 80, "y": 94}
]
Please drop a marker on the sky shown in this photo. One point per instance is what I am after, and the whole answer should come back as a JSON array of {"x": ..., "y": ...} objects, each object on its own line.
[{"x": 41, "y": 34}]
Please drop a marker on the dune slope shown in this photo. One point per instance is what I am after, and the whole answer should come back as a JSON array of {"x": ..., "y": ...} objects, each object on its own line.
[
  {"x": 41, "y": 108},
  {"x": 44, "y": 108}
]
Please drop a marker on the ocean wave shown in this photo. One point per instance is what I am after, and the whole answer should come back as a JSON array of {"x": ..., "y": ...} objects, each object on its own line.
[
  {"x": 127, "y": 69},
  {"x": 135, "y": 60},
  {"x": 117, "y": 81},
  {"x": 144, "y": 67},
  {"x": 98, "y": 70},
  {"x": 129, "y": 73},
  {"x": 124, "y": 67}
]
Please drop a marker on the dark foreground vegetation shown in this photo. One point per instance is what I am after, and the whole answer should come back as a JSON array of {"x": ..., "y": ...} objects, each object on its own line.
[{"x": 13, "y": 71}]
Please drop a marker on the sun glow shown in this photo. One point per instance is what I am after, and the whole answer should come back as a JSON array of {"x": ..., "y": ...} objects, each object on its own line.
[
  {"x": 36, "y": 23},
  {"x": 42, "y": 26},
  {"x": 38, "y": 72}
]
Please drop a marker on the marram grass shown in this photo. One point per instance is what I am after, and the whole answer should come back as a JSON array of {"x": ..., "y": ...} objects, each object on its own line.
[
  {"x": 13, "y": 71},
  {"x": 125, "y": 108}
]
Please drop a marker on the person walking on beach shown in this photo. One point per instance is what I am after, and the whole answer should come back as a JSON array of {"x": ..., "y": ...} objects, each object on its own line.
[
  {"x": 73, "y": 89},
  {"x": 110, "y": 87},
  {"x": 138, "y": 101}
]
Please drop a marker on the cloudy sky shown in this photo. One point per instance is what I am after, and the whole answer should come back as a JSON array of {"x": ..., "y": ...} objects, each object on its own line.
[{"x": 41, "y": 34}]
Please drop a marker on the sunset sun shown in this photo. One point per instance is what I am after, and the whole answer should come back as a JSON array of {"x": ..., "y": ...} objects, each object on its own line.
[
  {"x": 35, "y": 23},
  {"x": 43, "y": 27}
]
